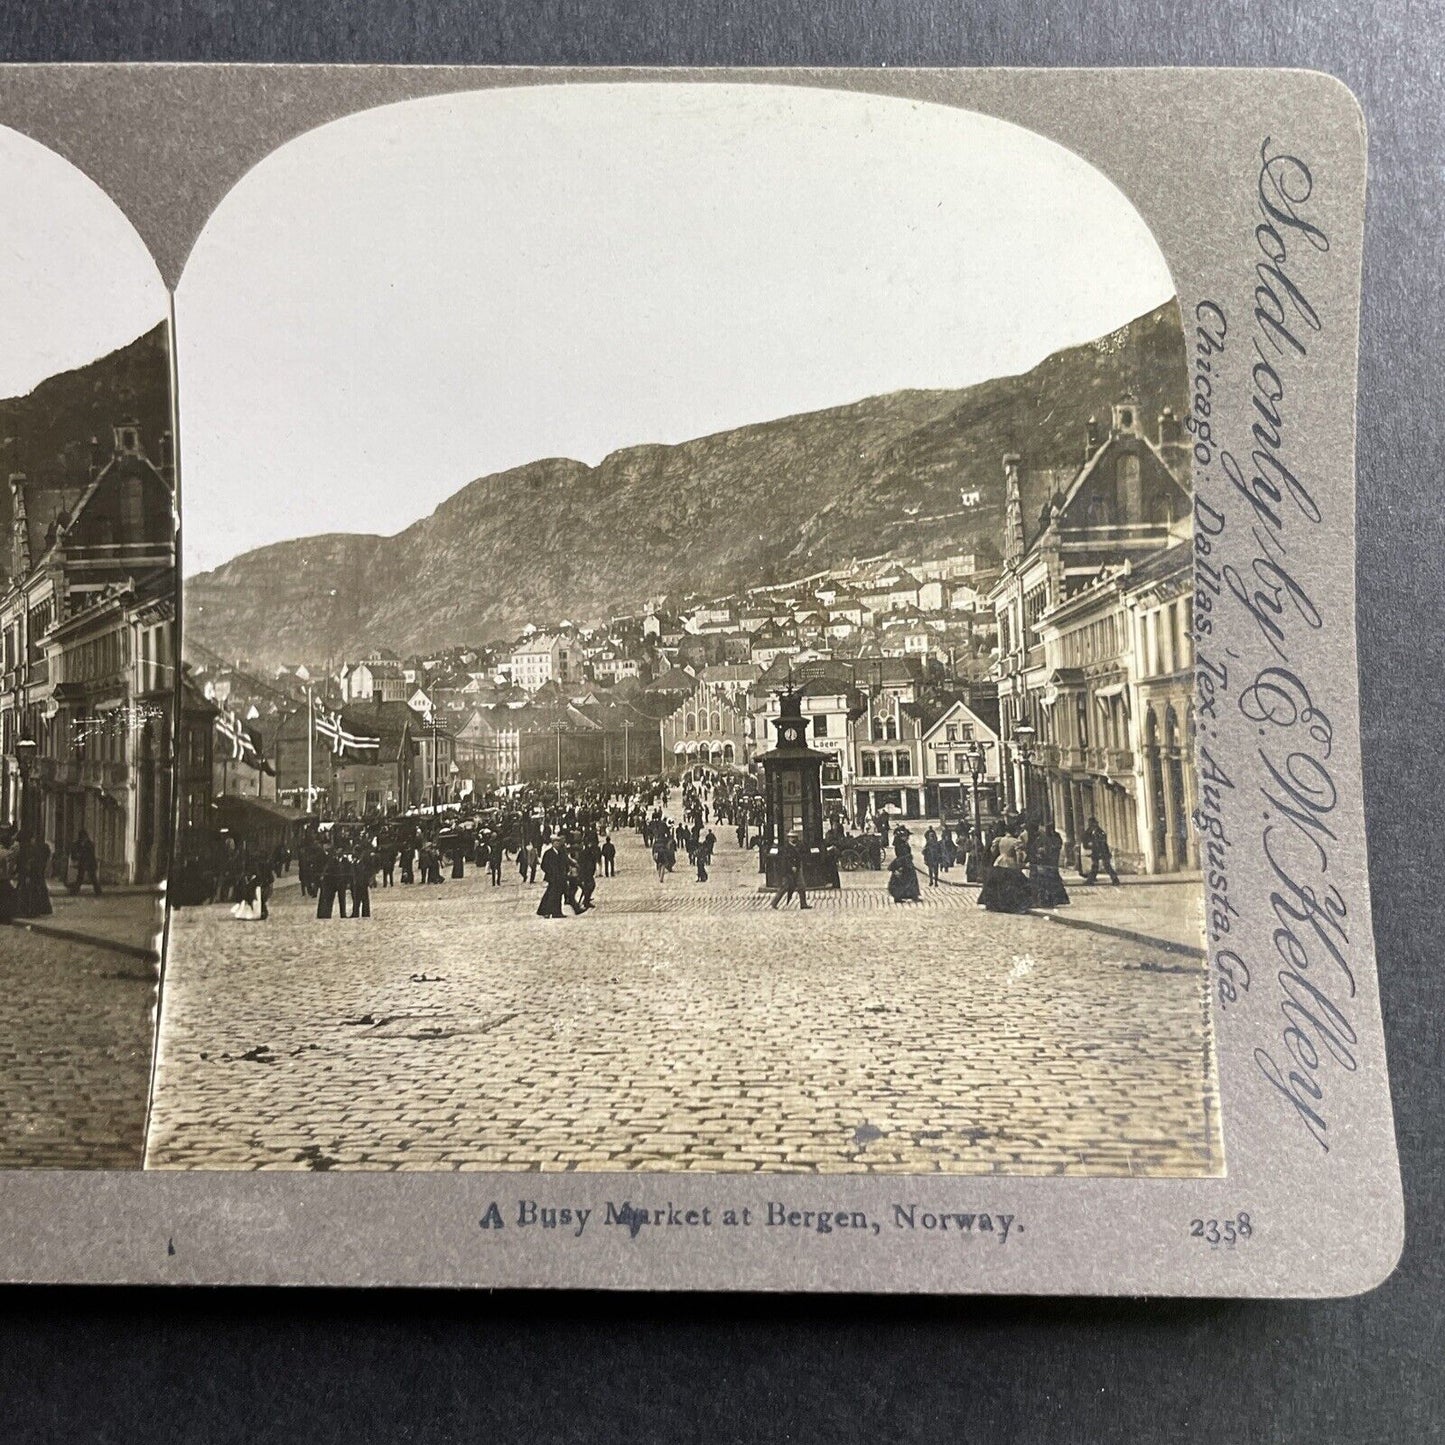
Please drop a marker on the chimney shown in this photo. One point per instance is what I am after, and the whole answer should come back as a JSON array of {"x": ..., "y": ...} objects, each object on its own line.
[
  {"x": 1170, "y": 432},
  {"x": 19, "y": 529},
  {"x": 1092, "y": 437},
  {"x": 1013, "y": 538}
]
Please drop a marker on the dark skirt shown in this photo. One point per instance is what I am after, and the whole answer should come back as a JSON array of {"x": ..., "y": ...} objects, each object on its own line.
[
  {"x": 1006, "y": 890},
  {"x": 1049, "y": 886},
  {"x": 903, "y": 885}
]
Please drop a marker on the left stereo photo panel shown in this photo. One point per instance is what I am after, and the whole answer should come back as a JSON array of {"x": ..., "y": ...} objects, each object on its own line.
[{"x": 87, "y": 640}]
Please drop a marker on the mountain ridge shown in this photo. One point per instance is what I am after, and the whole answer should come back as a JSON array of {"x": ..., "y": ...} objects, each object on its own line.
[{"x": 745, "y": 506}]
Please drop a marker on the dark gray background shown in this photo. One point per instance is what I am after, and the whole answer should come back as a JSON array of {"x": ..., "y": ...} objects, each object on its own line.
[{"x": 248, "y": 1365}]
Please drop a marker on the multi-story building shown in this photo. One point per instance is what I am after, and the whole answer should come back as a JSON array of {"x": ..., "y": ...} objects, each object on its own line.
[
  {"x": 711, "y": 727},
  {"x": 109, "y": 767},
  {"x": 1158, "y": 601},
  {"x": 543, "y": 658},
  {"x": 1067, "y": 694},
  {"x": 86, "y": 618},
  {"x": 377, "y": 676},
  {"x": 951, "y": 741}
]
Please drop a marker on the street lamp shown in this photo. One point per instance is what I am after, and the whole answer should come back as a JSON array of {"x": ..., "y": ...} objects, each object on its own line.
[
  {"x": 26, "y": 749},
  {"x": 977, "y": 767},
  {"x": 1024, "y": 747}
]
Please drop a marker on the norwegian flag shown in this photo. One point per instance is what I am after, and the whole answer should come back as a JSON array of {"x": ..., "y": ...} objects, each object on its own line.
[
  {"x": 235, "y": 737},
  {"x": 342, "y": 741}
]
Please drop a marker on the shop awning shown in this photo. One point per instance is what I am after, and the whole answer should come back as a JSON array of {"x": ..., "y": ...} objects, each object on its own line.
[{"x": 257, "y": 811}]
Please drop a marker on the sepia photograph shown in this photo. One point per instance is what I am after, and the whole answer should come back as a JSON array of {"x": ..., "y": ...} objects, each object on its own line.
[
  {"x": 620, "y": 521},
  {"x": 87, "y": 618}
]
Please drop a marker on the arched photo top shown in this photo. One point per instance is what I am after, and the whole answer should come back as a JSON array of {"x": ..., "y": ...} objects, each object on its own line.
[
  {"x": 397, "y": 302},
  {"x": 77, "y": 280}
]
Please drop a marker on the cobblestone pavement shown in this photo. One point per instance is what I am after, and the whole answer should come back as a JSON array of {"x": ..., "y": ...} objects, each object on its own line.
[
  {"x": 76, "y": 1027},
  {"x": 680, "y": 1026}
]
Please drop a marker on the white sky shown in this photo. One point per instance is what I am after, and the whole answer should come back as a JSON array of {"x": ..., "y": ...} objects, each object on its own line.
[
  {"x": 76, "y": 281},
  {"x": 425, "y": 293}
]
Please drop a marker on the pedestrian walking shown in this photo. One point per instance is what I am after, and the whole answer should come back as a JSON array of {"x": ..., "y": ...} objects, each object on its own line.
[
  {"x": 1096, "y": 840},
  {"x": 82, "y": 854},
  {"x": 554, "y": 873},
  {"x": 791, "y": 858},
  {"x": 609, "y": 857},
  {"x": 933, "y": 856},
  {"x": 1048, "y": 848},
  {"x": 1005, "y": 889},
  {"x": 902, "y": 874},
  {"x": 361, "y": 883}
]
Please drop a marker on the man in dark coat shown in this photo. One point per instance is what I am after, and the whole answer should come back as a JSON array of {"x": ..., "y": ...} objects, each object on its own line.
[
  {"x": 362, "y": 864},
  {"x": 1096, "y": 840},
  {"x": 496, "y": 851},
  {"x": 82, "y": 854},
  {"x": 791, "y": 857},
  {"x": 588, "y": 857},
  {"x": 334, "y": 881}
]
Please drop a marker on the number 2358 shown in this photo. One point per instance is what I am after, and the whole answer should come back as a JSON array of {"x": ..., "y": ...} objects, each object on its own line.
[{"x": 1222, "y": 1231}]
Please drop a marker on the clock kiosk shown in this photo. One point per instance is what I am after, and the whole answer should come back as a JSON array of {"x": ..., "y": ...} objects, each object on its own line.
[{"x": 793, "y": 792}]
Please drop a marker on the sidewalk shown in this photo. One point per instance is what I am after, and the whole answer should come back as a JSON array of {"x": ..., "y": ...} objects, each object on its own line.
[
  {"x": 123, "y": 920},
  {"x": 1164, "y": 909}
]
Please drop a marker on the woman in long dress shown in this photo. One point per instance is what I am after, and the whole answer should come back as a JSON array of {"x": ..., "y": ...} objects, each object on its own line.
[
  {"x": 248, "y": 909},
  {"x": 1005, "y": 889},
  {"x": 1044, "y": 858},
  {"x": 902, "y": 875}
]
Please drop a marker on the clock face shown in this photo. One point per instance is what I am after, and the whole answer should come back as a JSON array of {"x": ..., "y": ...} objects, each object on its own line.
[{"x": 792, "y": 787}]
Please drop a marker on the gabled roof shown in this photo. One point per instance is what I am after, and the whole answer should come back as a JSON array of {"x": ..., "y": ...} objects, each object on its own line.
[{"x": 948, "y": 709}]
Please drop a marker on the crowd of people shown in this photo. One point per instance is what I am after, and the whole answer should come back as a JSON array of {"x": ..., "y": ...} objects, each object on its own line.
[{"x": 568, "y": 835}]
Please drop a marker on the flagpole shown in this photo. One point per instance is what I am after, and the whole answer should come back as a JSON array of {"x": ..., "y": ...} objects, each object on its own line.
[{"x": 310, "y": 729}]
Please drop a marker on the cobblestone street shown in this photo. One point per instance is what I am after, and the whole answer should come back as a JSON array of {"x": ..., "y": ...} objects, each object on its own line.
[
  {"x": 76, "y": 1025},
  {"x": 686, "y": 1026}
]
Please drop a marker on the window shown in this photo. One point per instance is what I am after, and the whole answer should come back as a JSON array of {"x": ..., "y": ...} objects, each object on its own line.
[
  {"x": 885, "y": 765},
  {"x": 870, "y": 765},
  {"x": 890, "y": 729},
  {"x": 960, "y": 763},
  {"x": 1130, "y": 499},
  {"x": 820, "y": 725},
  {"x": 952, "y": 731},
  {"x": 877, "y": 729},
  {"x": 905, "y": 764}
]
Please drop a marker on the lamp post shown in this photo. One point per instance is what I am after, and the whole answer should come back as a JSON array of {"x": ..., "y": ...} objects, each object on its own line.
[
  {"x": 1023, "y": 734},
  {"x": 26, "y": 749},
  {"x": 977, "y": 767},
  {"x": 435, "y": 731}
]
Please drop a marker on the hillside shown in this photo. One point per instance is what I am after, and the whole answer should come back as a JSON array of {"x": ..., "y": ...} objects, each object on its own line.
[
  {"x": 760, "y": 503},
  {"x": 46, "y": 434}
]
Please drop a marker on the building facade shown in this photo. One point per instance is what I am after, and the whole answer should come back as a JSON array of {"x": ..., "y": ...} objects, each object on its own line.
[
  {"x": 542, "y": 659},
  {"x": 87, "y": 619},
  {"x": 712, "y": 727},
  {"x": 1071, "y": 620}
]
